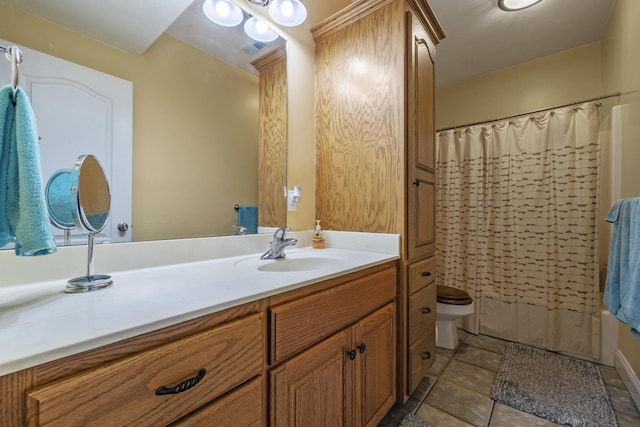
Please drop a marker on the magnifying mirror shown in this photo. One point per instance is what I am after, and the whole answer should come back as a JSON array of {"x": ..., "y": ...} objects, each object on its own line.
[
  {"x": 81, "y": 198},
  {"x": 60, "y": 202}
]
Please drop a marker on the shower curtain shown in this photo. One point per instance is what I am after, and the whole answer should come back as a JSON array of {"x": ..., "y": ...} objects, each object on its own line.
[{"x": 517, "y": 204}]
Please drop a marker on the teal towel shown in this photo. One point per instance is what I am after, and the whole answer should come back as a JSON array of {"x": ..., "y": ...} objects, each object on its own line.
[
  {"x": 23, "y": 213},
  {"x": 248, "y": 218},
  {"x": 622, "y": 289}
]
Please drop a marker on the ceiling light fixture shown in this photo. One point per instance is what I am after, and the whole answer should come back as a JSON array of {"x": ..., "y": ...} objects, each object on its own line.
[
  {"x": 259, "y": 31},
  {"x": 288, "y": 12},
  {"x": 223, "y": 12},
  {"x": 511, "y": 5},
  {"x": 261, "y": 3}
]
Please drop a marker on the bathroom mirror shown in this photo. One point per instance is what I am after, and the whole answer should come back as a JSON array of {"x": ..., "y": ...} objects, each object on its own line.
[
  {"x": 89, "y": 205},
  {"x": 195, "y": 123}
]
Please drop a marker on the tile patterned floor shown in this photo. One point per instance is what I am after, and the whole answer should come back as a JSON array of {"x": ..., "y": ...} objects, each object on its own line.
[{"x": 467, "y": 374}]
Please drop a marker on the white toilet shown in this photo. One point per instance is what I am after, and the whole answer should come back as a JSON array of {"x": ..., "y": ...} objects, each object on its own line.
[{"x": 452, "y": 304}]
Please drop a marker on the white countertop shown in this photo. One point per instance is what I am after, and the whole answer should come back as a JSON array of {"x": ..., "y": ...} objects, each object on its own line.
[{"x": 40, "y": 323}]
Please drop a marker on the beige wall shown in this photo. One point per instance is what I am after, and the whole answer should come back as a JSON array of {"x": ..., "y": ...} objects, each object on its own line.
[
  {"x": 621, "y": 72},
  {"x": 195, "y": 127},
  {"x": 565, "y": 77}
]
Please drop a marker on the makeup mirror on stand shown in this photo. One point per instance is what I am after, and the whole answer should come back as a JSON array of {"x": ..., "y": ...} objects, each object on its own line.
[{"x": 81, "y": 198}]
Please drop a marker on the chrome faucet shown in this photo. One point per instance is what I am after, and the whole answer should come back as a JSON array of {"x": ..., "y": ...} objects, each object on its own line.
[{"x": 278, "y": 244}]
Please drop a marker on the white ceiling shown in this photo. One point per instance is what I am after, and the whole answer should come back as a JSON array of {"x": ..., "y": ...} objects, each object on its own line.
[
  {"x": 480, "y": 37},
  {"x": 131, "y": 25}
]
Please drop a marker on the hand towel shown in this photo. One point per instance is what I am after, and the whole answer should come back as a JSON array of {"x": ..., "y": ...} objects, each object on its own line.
[
  {"x": 23, "y": 213},
  {"x": 248, "y": 218},
  {"x": 622, "y": 289}
]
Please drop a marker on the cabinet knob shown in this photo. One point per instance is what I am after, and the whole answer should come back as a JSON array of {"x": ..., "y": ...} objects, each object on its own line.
[
  {"x": 183, "y": 386},
  {"x": 426, "y": 310},
  {"x": 426, "y": 273},
  {"x": 426, "y": 355},
  {"x": 362, "y": 347},
  {"x": 351, "y": 354},
  {"x": 416, "y": 183},
  {"x": 123, "y": 226}
]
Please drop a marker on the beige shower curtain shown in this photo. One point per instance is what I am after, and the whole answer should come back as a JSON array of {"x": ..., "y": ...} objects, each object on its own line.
[{"x": 517, "y": 204}]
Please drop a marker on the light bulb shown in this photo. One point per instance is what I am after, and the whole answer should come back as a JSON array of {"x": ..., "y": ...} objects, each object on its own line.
[
  {"x": 223, "y": 9},
  {"x": 261, "y": 27},
  {"x": 286, "y": 8},
  {"x": 222, "y": 12}
]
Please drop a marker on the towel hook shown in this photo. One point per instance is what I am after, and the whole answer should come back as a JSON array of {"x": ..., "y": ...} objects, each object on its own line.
[{"x": 14, "y": 54}]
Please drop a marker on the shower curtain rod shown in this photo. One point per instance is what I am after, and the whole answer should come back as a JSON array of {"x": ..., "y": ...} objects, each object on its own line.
[{"x": 598, "y": 98}]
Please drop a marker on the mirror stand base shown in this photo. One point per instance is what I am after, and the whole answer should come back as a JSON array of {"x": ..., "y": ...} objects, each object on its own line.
[{"x": 88, "y": 283}]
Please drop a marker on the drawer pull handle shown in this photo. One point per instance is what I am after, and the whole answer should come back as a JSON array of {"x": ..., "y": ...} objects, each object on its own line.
[
  {"x": 362, "y": 347},
  {"x": 426, "y": 355},
  {"x": 426, "y": 273},
  {"x": 351, "y": 354},
  {"x": 183, "y": 386},
  {"x": 426, "y": 310}
]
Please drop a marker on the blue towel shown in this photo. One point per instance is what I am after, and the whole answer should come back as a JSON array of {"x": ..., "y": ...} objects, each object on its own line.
[
  {"x": 248, "y": 218},
  {"x": 23, "y": 213},
  {"x": 622, "y": 289}
]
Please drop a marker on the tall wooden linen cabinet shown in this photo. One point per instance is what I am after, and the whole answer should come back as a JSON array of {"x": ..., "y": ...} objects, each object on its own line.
[{"x": 375, "y": 154}]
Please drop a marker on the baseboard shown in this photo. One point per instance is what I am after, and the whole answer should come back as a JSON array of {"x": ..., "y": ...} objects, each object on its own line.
[{"x": 628, "y": 376}]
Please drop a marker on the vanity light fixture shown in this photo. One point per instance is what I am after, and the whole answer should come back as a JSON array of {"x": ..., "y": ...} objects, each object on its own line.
[
  {"x": 512, "y": 5},
  {"x": 261, "y": 3},
  {"x": 259, "y": 31},
  {"x": 289, "y": 13},
  {"x": 223, "y": 12}
]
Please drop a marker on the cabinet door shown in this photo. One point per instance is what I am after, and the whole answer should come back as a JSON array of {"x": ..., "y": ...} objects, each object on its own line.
[
  {"x": 310, "y": 389},
  {"x": 374, "y": 341},
  {"x": 420, "y": 142}
]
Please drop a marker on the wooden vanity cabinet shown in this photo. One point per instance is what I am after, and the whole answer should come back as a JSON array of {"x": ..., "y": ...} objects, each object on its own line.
[
  {"x": 156, "y": 386},
  {"x": 375, "y": 152},
  {"x": 348, "y": 377},
  {"x": 323, "y": 354},
  {"x": 116, "y": 384}
]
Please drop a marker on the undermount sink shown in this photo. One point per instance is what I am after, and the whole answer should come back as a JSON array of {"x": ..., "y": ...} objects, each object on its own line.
[
  {"x": 301, "y": 264},
  {"x": 295, "y": 261}
]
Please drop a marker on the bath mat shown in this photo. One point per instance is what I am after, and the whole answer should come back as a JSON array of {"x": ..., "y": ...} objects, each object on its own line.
[
  {"x": 411, "y": 420},
  {"x": 557, "y": 388}
]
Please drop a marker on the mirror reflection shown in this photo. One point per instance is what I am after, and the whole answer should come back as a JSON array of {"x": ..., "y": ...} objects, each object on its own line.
[{"x": 197, "y": 122}]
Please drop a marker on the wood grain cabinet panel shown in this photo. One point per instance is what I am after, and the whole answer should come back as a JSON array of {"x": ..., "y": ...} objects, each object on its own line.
[
  {"x": 241, "y": 407},
  {"x": 303, "y": 322},
  {"x": 421, "y": 273},
  {"x": 422, "y": 355},
  {"x": 347, "y": 380},
  {"x": 422, "y": 311},
  {"x": 375, "y": 151},
  {"x": 124, "y": 392}
]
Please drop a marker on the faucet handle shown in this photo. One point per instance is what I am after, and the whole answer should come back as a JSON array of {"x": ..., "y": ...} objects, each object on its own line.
[{"x": 281, "y": 232}]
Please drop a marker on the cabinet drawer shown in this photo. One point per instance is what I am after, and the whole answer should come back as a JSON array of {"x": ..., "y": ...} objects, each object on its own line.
[
  {"x": 422, "y": 311},
  {"x": 241, "y": 407},
  {"x": 421, "y": 273},
  {"x": 124, "y": 392},
  {"x": 298, "y": 324},
  {"x": 422, "y": 355}
]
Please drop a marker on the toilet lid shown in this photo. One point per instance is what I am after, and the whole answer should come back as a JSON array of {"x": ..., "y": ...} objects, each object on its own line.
[{"x": 449, "y": 295}]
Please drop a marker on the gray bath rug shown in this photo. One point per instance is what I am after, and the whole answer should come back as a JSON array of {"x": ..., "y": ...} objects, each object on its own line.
[
  {"x": 411, "y": 420},
  {"x": 557, "y": 388}
]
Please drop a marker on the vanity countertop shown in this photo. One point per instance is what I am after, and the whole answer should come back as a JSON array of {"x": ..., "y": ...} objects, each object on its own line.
[{"x": 40, "y": 323}]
